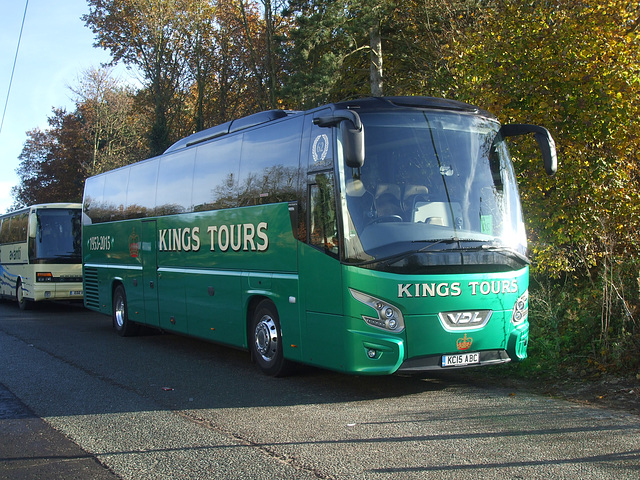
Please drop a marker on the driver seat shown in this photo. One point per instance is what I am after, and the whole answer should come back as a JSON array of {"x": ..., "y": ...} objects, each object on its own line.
[
  {"x": 359, "y": 203},
  {"x": 387, "y": 200}
]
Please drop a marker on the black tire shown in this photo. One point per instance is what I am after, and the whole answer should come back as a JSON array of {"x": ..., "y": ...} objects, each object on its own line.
[
  {"x": 23, "y": 303},
  {"x": 265, "y": 341},
  {"x": 121, "y": 323}
]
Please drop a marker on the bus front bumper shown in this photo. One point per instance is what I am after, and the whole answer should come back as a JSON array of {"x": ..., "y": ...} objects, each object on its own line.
[
  {"x": 56, "y": 291},
  {"x": 516, "y": 351},
  {"x": 384, "y": 355}
]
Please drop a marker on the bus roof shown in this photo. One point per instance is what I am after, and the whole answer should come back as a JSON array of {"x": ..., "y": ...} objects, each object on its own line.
[
  {"x": 367, "y": 103},
  {"x": 42, "y": 206},
  {"x": 376, "y": 103},
  {"x": 230, "y": 127}
]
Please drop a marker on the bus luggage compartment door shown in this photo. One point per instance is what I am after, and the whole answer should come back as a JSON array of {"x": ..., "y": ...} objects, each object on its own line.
[{"x": 150, "y": 271}]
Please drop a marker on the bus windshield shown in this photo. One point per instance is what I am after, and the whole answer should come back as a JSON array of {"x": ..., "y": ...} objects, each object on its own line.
[
  {"x": 58, "y": 236},
  {"x": 432, "y": 181}
]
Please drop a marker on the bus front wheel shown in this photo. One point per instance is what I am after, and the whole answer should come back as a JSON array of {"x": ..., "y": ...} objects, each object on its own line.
[
  {"x": 23, "y": 303},
  {"x": 266, "y": 340},
  {"x": 121, "y": 323}
]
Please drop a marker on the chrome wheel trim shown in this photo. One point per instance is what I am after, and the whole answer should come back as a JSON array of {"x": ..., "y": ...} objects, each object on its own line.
[
  {"x": 266, "y": 338},
  {"x": 20, "y": 293},
  {"x": 119, "y": 312}
]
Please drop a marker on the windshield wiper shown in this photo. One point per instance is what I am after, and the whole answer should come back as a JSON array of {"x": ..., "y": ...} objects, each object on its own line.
[{"x": 436, "y": 242}]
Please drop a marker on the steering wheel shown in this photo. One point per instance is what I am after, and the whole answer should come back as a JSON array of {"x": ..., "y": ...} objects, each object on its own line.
[{"x": 386, "y": 219}]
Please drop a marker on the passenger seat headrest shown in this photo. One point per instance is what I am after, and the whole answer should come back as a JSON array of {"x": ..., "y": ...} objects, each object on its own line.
[{"x": 355, "y": 188}]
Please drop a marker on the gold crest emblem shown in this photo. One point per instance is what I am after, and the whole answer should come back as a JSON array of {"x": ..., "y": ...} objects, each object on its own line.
[{"x": 464, "y": 343}]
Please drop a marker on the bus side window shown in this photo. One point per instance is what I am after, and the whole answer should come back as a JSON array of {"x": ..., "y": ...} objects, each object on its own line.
[
  {"x": 115, "y": 194},
  {"x": 94, "y": 207},
  {"x": 175, "y": 183},
  {"x": 324, "y": 225},
  {"x": 215, "y": 178},
  {"x": 4, "y": 231},
  {"x": 17, "y": 228},
  {"x": 142, "y": 180},
  {"x": 269, "y": 166}
]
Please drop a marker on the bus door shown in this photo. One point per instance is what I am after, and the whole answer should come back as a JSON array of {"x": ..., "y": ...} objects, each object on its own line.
[
  {"x": 319, "y": 267},
  {"x": 150, "y": 271}
]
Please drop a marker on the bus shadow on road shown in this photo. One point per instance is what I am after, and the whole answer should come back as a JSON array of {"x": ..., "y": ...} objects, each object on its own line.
[{"x": 73, "y": 354}]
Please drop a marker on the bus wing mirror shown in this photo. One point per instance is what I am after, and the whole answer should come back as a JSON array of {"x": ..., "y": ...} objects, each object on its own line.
[
  {"x": 33, "y": 225},
  {"x": 545, "y": 142},
  {"x": 352, "y": 133}
]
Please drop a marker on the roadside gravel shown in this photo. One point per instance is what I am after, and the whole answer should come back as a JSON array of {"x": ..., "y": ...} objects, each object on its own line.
[{"x": 619, "y": 393}]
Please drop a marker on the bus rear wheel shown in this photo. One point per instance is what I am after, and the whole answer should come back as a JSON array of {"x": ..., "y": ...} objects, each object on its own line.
[
  {"x": 121, "y": 323},
  {"x": 266, "y": 341}
]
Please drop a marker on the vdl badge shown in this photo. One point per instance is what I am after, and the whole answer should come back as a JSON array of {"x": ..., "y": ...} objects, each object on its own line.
[{"x": 460, "y": 360}]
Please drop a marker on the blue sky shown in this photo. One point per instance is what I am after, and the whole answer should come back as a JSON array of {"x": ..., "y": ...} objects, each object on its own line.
[{"x": 55, "y": 50}]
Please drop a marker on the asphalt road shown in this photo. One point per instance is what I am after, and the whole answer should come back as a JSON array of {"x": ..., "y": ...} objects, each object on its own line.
[{"x": 162, "y": 406}]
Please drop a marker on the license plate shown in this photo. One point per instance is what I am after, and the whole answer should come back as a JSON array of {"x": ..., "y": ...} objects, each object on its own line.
[
  {"x": 75, "y": 292},
  {"x": 460, "y": 360}
]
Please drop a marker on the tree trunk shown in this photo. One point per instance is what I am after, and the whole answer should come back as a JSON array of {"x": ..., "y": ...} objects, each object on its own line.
[
  {"x": 270, "y": 60},
  {"x": 375, "y": 69}
]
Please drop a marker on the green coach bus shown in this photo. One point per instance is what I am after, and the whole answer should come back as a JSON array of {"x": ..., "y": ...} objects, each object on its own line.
[{"x": 370, "y": 236}]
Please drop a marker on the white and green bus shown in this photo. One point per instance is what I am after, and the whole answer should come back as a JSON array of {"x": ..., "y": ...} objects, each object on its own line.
[
  {"x": 369, "y": 236},
  {"x": 41, "y": 253}
]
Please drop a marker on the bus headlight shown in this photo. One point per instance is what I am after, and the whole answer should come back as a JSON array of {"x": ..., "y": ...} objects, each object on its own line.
[
  {"x": 521, "y": 309},
  {"x": 388, "y": 317}
]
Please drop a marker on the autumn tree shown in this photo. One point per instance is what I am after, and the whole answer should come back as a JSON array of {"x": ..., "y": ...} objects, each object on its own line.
[
  {"x": 231, "y": 94},
  {"x": 330, "y": 50},
  {"x": 29, "y": 171},
  {"x": 418, "y": 36},
  {"x": 147, "y": 35},
  {"x": 573, "y": 67},
  {"x": 208, "y": 35},
  {"x": 345, "y": 49},
  {"x": 264, "y": 30},
  {"x": 239, "y": 51},
  {"x": 110, "y": 121},
  {"x": 51, "y": 162},
  {"x": 274, "y": 23},
  {"x": 105, "y": 131}
]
